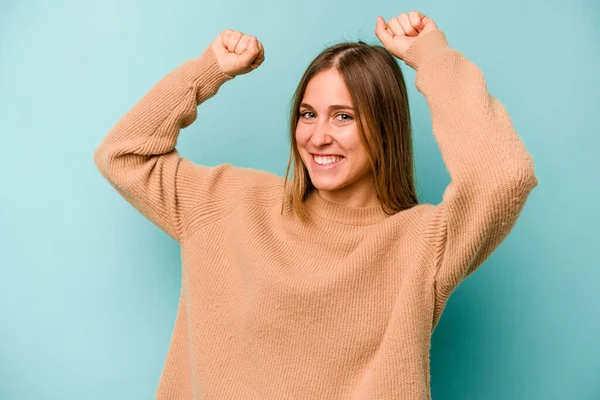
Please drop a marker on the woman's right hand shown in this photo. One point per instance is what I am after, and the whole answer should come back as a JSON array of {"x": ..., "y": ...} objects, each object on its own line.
[{"x": 237, "y": 53}]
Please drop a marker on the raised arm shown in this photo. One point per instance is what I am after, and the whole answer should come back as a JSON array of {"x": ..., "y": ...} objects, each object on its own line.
[
  {"x": 491, "y": 171},
  {"x": 138, "y": 155}
]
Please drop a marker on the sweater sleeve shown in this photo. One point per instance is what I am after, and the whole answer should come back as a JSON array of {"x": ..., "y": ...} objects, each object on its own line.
[
  {"x": 138, "y": 155},
  {"x": 491, "y": 172}
]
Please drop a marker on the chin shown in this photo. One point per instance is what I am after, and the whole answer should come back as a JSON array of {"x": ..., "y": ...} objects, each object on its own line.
[
  {"x": 327, "y": 188},
  {"x": 327, "y": 185}
]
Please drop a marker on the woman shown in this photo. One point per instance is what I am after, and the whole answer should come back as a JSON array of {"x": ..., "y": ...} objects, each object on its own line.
[{"x": 328, "y": 286}]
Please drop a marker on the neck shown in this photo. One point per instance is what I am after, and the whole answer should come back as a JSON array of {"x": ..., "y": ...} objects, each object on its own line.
[
  {"x": 351, "y": 198},
  {"x": 346, "y": 214}
]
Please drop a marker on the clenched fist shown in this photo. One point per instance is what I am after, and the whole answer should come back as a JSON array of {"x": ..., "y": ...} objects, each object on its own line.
[
  {"x": 402, "y": 31},
  {"x": 237, "y": 53}
]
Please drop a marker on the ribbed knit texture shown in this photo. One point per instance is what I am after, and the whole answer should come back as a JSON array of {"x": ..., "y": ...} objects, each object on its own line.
[{"x": 343, "y": 305}]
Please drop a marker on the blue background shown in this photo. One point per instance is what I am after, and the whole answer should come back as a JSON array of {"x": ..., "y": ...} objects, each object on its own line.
[{"x": 89, "y": 288}]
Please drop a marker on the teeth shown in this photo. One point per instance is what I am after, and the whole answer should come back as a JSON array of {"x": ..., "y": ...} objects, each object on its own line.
[{"x": 327, "y": 159}]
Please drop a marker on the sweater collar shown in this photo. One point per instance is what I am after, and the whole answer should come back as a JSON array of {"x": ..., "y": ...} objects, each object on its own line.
[{"x": 340, "y": 213}]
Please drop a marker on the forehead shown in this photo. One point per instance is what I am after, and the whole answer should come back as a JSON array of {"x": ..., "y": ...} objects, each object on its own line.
[{"x": 327, "y": 87}]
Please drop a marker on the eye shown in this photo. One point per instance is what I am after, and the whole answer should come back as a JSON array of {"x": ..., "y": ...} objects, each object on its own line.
[
  {"x": 348, "y": 116},
  {"x": 346, "y": 119},
  {"x": 305, "y": 112}
]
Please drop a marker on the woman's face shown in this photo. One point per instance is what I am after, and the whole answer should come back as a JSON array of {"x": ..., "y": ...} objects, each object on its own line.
[{"x": 329, "y": 142}]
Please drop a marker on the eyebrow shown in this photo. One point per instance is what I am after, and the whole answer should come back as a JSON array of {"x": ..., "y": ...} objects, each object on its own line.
[{"x": 331, "y": 107}]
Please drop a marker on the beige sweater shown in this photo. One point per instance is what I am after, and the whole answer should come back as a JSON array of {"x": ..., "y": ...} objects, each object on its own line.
[{"x": 341, "y": 306}]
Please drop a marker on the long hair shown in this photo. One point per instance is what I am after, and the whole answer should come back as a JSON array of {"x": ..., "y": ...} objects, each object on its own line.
[{"x": 379, "y": 96}]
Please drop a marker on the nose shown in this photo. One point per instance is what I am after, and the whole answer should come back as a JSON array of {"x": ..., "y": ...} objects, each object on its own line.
[{"x": 320, "y": 137}]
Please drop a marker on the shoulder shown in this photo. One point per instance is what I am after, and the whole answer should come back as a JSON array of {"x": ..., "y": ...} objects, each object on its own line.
[
  {"x": 430, "y": 223},
  {"x": 226, "y": 182},
  {"x": 244, "y": 179},
  {"x": 218, "y": 190},
  {"x": 419, "y": 222}
]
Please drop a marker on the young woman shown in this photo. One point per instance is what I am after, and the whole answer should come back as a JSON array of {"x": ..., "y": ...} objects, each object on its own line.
[{"x": 328, "y": 285}]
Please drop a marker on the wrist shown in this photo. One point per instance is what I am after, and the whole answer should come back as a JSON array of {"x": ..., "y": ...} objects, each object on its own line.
[{"x": 424, "y": 46}]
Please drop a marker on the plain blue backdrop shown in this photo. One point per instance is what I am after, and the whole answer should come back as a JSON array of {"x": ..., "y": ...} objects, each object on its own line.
[{"x": 89, "y": 288}]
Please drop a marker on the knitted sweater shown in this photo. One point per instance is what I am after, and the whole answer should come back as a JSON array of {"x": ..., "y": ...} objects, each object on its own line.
[{"x": 341, "y": 305}]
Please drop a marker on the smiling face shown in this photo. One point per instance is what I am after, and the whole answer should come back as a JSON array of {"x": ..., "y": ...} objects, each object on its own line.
[{"x": 328, "y": 141}]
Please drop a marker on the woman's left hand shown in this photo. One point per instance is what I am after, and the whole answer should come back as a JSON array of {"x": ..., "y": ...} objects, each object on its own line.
[{"x": 402, "y": 31}]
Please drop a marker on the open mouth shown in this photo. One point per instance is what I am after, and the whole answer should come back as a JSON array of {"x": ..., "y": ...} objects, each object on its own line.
[{"x": 327, "y": 162}]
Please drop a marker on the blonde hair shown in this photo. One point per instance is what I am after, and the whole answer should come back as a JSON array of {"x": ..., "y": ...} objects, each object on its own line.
[{"x": 380, "y": 99}]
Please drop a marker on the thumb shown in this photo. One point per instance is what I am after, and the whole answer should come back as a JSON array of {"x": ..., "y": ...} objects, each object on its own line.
[{"x": 383, "y": 34}]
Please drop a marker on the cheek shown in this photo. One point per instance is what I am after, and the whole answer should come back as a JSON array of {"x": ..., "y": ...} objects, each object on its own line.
[
  {"x": 351, "y": 142},
  {"x": 302, "y": 135}
]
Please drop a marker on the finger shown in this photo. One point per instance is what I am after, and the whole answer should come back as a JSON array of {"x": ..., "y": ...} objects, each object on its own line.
[
  {"x": 224, "y": 37},
  {"x": 260, "y": 47},
  {"x": 415, "y": 20},
  {"x": 407, "y": 25},
  {"x": 396, "y": 28},
  {"x": 234, "y": 38},
  {"x": 426, "y": 21},
  {"x": 242, "y": 44},
  {"x": 383, "y": 33},
  {"x": 260, "y": 57},
  {"x": 249, "y": 52}
]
